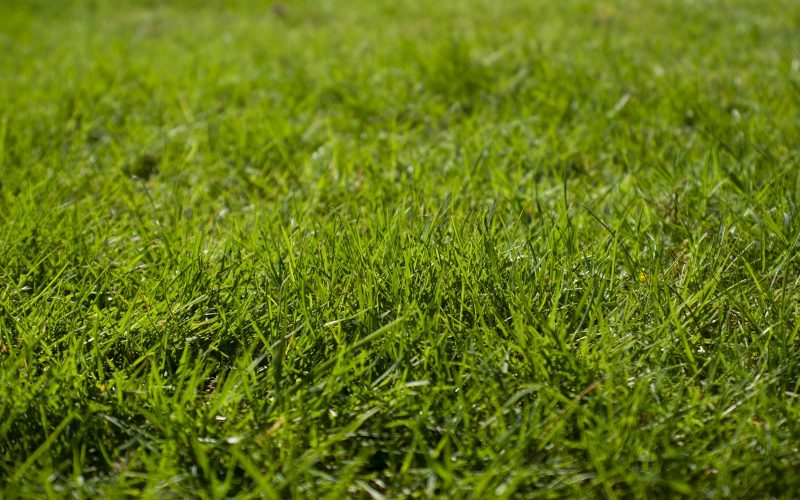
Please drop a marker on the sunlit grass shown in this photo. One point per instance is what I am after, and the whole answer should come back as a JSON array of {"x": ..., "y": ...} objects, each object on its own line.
[{"x": 369, "y": 248}]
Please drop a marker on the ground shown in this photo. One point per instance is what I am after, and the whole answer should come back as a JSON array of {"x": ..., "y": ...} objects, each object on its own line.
[{"x": 454, "y": 248}]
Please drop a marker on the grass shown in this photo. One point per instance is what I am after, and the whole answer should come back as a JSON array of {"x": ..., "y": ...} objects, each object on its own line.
[{"x": 536, "y": 249}]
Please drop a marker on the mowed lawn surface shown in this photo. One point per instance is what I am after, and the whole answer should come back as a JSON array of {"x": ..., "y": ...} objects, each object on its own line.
[{"x": 455, "y": 248}]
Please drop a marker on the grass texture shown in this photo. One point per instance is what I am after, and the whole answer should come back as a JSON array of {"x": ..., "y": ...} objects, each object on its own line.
[{"x": 400, "y": 249}]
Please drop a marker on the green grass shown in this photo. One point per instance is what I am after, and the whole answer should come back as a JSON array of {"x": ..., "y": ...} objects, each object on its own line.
[{"x": 457, "y": 248}]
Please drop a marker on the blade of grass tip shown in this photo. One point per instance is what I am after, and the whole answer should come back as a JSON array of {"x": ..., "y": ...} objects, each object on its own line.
[
  {"x": 279, "y": 348},
  {"x": 489, "y": 218},
  {"x": 613, "y": 233},
  {"x": 438, "y": 219},
  {"x": 566, "y": 198}
]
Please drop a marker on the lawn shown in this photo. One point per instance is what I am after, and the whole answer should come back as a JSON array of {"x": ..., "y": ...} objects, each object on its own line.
[{"x": 465, "y": 248}]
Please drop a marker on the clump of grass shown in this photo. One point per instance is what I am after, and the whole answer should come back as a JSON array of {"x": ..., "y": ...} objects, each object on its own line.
[{"x": 399, "y": 250}]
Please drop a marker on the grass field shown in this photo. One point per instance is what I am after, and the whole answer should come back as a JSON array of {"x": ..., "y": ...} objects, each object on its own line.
[{"x": 460, "y": 248}]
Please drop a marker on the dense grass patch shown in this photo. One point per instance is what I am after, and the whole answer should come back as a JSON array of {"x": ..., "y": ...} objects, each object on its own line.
[{"x": 400, "y": 248}]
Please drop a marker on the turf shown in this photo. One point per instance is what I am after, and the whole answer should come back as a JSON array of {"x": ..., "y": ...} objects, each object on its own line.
[{"x": 455, "y": 248}]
